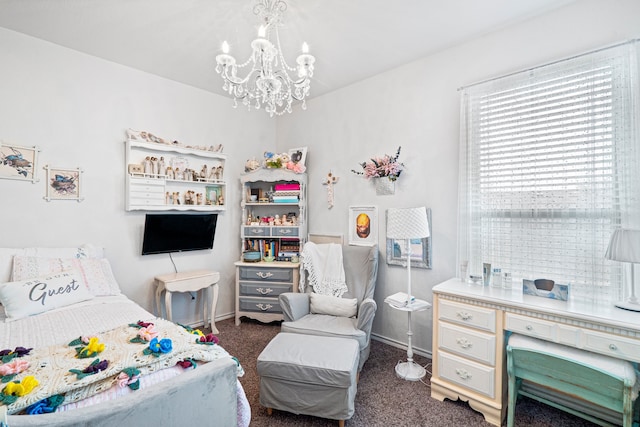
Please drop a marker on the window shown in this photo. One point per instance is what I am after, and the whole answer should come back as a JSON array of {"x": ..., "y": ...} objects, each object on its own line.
[{"x": 549, "y": 167}]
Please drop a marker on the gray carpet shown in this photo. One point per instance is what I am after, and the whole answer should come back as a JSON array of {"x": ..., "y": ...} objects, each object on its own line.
[{"x": 382, "y": 399}]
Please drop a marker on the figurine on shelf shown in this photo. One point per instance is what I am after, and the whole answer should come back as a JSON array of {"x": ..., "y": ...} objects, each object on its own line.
[
  {"x": 168, "y": 199},
  {"x": 204, "y": 172},
  {"x": 219, "y": 171},
  {"x": 179, "y": 175},
  {"x": 251, "y": 165},
  {"x": 147, "y": 166},
  {"x": 176, "y": 198},
  {"x": 199, "y": 198},
  {"x": 221, "y": 200},
  {"x": 277, "y": 220},
  {"x": 154, "y": 166},
  {"x": 169, "y": 173},
  {"x": 162, "y": 169}
]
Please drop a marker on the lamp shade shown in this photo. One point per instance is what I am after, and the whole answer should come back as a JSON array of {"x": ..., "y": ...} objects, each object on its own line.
[
  {"x": 624, "y": 246},
  {"x": 407, "y": 223}
]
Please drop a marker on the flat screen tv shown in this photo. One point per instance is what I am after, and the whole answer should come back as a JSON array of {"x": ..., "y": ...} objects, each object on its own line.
[{"x": 166, "y": 233}]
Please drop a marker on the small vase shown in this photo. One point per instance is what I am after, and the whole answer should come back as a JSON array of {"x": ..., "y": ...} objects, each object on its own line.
[{"x": 385, "y": 187}]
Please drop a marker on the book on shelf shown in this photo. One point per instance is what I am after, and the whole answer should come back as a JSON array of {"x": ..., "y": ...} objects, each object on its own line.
[
  {"x": 287, "y": 193},
  {"x": 289, "y": 186},
  {"x": 285, "y": 199}
]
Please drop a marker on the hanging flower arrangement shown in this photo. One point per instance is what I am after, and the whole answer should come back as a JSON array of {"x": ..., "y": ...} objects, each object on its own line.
[{"x": 379, "y": 167}]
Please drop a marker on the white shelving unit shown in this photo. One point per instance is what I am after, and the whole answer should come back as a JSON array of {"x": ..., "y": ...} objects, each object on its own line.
[{"x": 160, "y": 192}]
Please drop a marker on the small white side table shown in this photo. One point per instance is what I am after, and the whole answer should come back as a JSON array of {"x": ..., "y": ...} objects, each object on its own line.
[
  {"x": 190, "y": 281},
  {"x": 410, "y": 370}
]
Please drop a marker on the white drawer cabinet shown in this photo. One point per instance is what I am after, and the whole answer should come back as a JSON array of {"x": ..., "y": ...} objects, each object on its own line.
[
  {"x": 258, "y": 286},
  {"x": 470, "y": 326},
  {"x": 466, "y": 355}
]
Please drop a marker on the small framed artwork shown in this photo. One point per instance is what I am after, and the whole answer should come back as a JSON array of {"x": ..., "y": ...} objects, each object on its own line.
[
  {"x": 363, "y": 225},
  {"x": 63, "y": 184},
  {"x": 213, "y": 193},
  {"x": 298, "y": 155},
  {"x": 18, "y": 162},
  {"x": 420, "y": 250}
]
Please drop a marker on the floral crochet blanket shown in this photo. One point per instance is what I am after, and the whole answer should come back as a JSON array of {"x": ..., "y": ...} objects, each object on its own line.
[{"x": 39, "y": 380}]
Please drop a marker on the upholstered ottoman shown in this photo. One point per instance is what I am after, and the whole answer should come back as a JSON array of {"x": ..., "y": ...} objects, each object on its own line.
[{"x": 309, "y": 374}]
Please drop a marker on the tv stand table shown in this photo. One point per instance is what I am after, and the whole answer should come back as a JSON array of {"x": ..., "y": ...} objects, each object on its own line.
[{"x": 190, "y": 281}]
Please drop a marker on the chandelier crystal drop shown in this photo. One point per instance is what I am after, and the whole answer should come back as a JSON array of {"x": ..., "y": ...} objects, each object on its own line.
[{"x": 269, "y": 82}]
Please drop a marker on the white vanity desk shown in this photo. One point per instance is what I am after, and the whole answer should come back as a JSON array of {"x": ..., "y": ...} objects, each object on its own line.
[{"x": 469, "y": 340}]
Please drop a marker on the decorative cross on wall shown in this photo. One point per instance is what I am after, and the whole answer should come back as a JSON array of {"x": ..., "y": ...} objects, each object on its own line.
[{"x": 329, "y": 181}]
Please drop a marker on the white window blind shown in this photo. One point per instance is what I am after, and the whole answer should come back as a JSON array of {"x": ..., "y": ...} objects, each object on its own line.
[{"x": 549, "y": 167}]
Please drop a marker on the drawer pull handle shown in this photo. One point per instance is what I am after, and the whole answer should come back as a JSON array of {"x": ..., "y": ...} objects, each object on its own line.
[
  {"x": 529, "y": 328},
  {"x": 262, "y": 275},
  {"x": 464, "y": 315},
  {"x": 264, "y": 291},
  {"x": 464, "y": 343},
  {"x": 264, "y": 307},
  {"x": 463, "y": 373},
  {"x": 613, "y": 347},
  {"x": 256, "y": 231},
  {"x": 287, "y": 231}
]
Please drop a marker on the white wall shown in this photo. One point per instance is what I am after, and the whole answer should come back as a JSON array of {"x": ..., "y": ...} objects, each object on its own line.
[
  {"x": 76, "y": 108},
  {"x": 416, "y": 106}
]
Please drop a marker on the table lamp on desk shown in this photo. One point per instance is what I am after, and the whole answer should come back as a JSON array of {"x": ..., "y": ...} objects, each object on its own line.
[
  {"x": 624, "y": 246},
  {"x": 406, "y": 224}
]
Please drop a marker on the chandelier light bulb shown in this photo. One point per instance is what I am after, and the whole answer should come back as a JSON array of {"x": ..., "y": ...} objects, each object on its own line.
[
  {"x": 225, "y": 47},
  {"x": 305, "y": 47},
  {"x": 262, "y": 31}
]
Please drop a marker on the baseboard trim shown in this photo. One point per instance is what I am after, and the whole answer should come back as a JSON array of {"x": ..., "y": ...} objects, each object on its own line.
[{"x": 398, "y": 344}]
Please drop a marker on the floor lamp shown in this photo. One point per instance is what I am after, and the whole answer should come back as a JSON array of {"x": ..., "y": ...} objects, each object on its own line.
[
  {"x": 624, "y": 246},
  {"x": 406, "y": 224}
]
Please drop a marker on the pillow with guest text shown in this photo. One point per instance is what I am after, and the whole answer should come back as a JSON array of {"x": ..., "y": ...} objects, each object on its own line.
[
  {"x": 33, "y": 296},
  {"x": 95, "y": 273},
  {"x": 335, "y": 306}
]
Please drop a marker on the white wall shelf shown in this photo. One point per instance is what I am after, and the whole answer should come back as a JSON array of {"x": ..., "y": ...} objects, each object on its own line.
[{"x": 156, "y": 191}]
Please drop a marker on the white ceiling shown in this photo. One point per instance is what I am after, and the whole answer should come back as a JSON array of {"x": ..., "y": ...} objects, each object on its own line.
[{"x": 179, "y": 39}]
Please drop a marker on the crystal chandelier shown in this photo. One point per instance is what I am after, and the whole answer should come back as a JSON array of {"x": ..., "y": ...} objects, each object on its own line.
[{"x": 269, "y": 83}]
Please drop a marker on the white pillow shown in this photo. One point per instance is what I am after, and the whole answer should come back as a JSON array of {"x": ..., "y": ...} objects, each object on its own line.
[
  {"x": 96, "y": 273},
  {"x": 28, "y": 297},
  {"x": 327, "y": 304},
  {"x": 7, "y": 254}
]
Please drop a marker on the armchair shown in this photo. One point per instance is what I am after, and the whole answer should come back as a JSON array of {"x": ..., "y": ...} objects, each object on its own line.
[{"x": 361, "y": 270}]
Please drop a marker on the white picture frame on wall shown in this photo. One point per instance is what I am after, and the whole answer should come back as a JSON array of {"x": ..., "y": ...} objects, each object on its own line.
[
  {"x": 363, "y": 225},
  {"x": 63, "y": 183},
  {"x": 18, "y": 162}
]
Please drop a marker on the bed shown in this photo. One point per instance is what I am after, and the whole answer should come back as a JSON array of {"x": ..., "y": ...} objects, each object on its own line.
[{"x": 64, "y": 325}]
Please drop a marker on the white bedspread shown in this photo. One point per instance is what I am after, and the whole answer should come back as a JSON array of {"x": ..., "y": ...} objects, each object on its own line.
[{"x": 87, "y": 318}]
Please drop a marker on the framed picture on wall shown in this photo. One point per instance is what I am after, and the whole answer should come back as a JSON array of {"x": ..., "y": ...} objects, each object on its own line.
[
  {"x": 18, "y": 162},
  {"x": 363, "y": 225},
  {"x": 420, "y": 250},
  {"x": 63, "y": 184}
]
